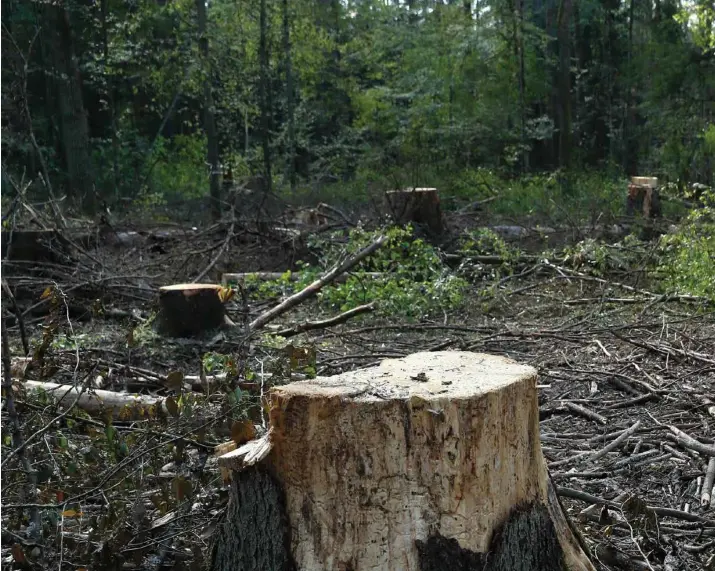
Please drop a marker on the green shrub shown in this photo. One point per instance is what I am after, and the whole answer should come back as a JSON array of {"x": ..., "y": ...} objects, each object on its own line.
[
  {"x": 688, "y": 256},
  {"x": 178, "y": 168},
  {"x": 406, "y": 276}
]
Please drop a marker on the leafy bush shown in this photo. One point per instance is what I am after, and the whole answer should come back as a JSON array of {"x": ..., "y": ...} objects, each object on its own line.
[
  {"x": 688, "y": 255},
  {"x": 178, "y": 167},
  {"x": 406, "y": 276}
]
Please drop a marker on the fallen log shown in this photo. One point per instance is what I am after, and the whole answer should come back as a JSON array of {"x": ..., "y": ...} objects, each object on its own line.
[
  {"x": 96, "y": 401},
  {"x": 423, "y": 463}
]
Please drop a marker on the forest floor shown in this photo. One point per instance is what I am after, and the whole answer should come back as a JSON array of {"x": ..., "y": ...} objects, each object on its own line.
[{"x": 611, "y": 356}]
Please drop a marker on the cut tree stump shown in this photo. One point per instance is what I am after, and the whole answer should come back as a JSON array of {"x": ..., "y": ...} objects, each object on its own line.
[
  {"x": 186, "y": 310},
  {"x": 431, "y": 462},
  {"x": 419, "y": 205}
]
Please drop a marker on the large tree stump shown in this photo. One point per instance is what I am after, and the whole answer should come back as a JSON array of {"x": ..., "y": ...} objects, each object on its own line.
[
  {"x": 432, "y": 462},
  {"x": 419, "y": 205},
  {"x": 190, "y": 309}
]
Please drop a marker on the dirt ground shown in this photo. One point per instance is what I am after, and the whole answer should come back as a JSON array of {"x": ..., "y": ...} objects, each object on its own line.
[{"x": 611, "y": 356}]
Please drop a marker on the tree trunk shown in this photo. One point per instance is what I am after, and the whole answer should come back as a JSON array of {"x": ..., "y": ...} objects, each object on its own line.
[
  {"x": 564, "y": 84},
  {"x": 290, "y": 161},
  {"x": 110, "y": 99},
  {"x": 209, "y": 121},
  {"x": 73, "y": 117},
  {"x": 426, "y": 463},
  {"x": 265, "y": 107}
]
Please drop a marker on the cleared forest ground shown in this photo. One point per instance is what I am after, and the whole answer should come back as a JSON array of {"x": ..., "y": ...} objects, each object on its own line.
[{"x": 627, "y": 393}]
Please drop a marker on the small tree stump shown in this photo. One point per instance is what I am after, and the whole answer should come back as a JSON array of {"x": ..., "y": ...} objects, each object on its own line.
[
  {"x": 432, "y": 462},
  {"x": 643, "y": 197},
  {"x": 189, "y": 309},
  {"x": 419, "y": 205}
]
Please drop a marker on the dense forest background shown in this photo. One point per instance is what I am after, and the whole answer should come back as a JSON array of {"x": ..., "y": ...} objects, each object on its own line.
[{"x": 147, "y": 101}]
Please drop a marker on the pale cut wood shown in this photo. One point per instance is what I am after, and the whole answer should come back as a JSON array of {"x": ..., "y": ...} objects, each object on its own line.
[
  {"x": 423, "y": 463},
  {"x": 93, "y": 401},
  {"x": 645, "y": 181}
]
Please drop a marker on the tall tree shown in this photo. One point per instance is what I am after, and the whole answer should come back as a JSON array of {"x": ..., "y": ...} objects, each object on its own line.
[
  {"x": 290, "y": 111},
  {"x": 73, "y": 117},
  {"x": 264, "y": 91},
  {"x": 564, "y": 83},
  {"x": 209, "y": 121}
]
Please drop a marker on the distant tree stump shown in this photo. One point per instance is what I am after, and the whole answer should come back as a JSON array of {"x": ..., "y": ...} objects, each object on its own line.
[
  {"x": 643, "y": 197},
  {"x": 432, "y": 462},
  {"x": 186, "y": 310},
  {"x": 419, "y": 205}
]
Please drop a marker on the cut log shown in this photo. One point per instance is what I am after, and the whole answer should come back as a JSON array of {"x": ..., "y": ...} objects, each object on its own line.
[
  {"x": 122, "y": 405},
  {"x": 423, "y": 463},
  {"x": 418, "y": 205},
  {"x": 186, "y": 310}
]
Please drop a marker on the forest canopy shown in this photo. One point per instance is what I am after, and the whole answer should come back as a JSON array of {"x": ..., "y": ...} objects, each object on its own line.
[{"x": 143, "y": 100}]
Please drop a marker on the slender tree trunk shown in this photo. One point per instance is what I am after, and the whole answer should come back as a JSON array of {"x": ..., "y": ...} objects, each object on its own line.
[
  {"x": 290, "y": 162},
  {"x": 74, "y": 127},
  {"x": 521, "y": 79},
  {"x": 263, "y": 89},
  {"x": 110, "y": 101},
  {"x": 630, "y": 156},
  {"x": 209, "y": 121},
  {"x": 564, "y": 83}
]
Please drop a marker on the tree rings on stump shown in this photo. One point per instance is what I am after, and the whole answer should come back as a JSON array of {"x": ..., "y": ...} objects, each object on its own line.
[
  {"x": 189, "y": 309},
  {"x": 419, "y": 205},
  {"x": 423, "y": 463}
]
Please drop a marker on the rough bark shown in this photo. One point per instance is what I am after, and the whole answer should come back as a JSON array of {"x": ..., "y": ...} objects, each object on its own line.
[
  {"x": 258, "y": 537},
  {"x": 428, "y": 462},
  {"x": 418, "y": 205}
]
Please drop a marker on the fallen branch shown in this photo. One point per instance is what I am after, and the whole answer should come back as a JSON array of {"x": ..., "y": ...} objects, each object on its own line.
[
  {"x": 325, "y": 323},
  {"x": 316, "y": 286},
  {"x": 689, "y": 442},
  {"x": 213, "y": 262},
  {"x": 18, "y": 438},
  {"x": 230, "y": 278},
  {"x": 664, "y": 512},
  {"x": 585, "y": 412},
  {"x": 706, "y": 497}
]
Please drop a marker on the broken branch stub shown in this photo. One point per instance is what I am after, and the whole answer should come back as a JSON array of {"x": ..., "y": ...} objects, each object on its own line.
[
  {"x": 423, "y": 463},
  {"x": 189, "y": 309}
]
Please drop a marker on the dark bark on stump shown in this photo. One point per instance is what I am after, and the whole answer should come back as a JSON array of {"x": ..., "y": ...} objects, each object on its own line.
[
  {"x": 418, "y": 205},
  {"x": 255, "y": 535},
  {"x": 526, "y": 542},
  {"x": 186, "y": 310}
]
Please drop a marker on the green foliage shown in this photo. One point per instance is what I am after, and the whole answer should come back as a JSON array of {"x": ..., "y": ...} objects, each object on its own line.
[
  {"x": 688, "y": 255},
  {"x": 406, "y": 276},
  {"x": 178, "y": 167}
]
